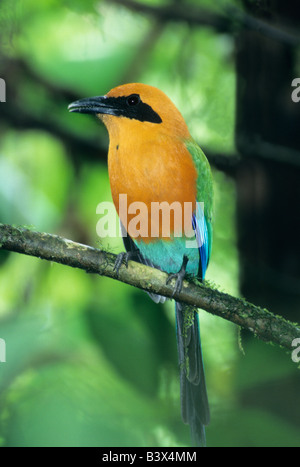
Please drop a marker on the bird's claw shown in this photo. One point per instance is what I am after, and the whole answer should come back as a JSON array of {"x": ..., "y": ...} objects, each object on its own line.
[
  {"x": 118, "y": 262},
  {"x": 123, "y": 257},
  {"x": 179, "y": 277},
  {"x": 178, "y": 282}
]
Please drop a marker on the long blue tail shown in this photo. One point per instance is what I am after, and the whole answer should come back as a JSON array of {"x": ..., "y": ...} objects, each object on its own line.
[{"x": 193, "y": 395}]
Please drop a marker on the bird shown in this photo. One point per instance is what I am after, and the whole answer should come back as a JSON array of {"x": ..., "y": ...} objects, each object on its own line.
[{"x": 154, "y": 161}]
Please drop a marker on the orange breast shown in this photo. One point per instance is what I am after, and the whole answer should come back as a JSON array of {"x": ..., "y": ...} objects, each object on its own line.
[{"x": 152, "y": 176}]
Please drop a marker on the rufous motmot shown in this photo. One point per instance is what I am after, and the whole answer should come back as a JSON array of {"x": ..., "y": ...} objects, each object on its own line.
[{"x": 152, "y": 158}]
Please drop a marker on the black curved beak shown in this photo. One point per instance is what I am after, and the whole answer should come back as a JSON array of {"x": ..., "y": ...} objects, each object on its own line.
[
  {"x": 93, "y": 105},
  {"x": 120, "y": 106}
]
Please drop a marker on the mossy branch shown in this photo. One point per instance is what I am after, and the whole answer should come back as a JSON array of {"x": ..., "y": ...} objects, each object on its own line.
[{"x": 262, "y": 323}]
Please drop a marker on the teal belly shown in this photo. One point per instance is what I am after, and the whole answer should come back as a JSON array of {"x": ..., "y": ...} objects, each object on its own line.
[{"x": 168, "y": 255}]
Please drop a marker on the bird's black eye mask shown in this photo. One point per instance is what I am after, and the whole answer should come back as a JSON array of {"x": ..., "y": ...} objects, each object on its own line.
[
  {"x": 123, "y": 106},
  {"x": 133, "y": 107}
]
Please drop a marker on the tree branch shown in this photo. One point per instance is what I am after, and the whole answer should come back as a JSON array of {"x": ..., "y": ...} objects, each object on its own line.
[{"x": 261, "y": 322}]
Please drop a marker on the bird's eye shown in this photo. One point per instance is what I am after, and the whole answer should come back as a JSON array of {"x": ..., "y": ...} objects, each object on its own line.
[{"x": 134, "y": 99}]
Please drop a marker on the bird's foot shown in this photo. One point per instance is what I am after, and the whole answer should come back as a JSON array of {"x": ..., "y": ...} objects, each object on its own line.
[
  {"x": 179, "y": 277},
  {"x": 124, "y": 257}
]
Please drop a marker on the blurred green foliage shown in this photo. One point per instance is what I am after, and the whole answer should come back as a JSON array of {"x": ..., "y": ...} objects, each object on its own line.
[{"x": 91, "y": 362}]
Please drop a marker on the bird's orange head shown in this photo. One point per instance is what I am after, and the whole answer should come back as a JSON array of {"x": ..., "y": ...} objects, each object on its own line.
[
  {"x": 147, "y": 136},
  {"x": 135, "y": 107}
]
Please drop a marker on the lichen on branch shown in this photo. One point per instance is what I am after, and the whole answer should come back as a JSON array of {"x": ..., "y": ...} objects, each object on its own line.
[{"x": 264, "y": 324}]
